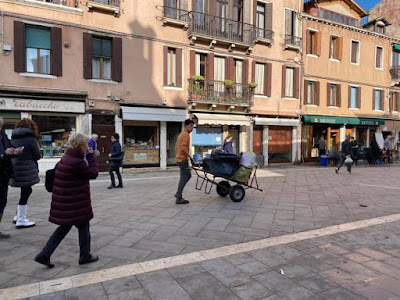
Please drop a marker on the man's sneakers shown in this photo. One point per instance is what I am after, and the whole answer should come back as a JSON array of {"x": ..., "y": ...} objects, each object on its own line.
[
  {"x": 337, "y": 170},
  {"x": 180, "y": 200},
  {"x": 111, "y": 187},
  {"x": 88, "y": 260}
]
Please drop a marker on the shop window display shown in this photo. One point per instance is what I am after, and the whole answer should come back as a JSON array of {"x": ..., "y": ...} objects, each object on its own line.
[{"x": 54, "y": 132}]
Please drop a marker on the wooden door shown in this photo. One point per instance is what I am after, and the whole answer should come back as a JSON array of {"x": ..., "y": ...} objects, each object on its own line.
[
  {"x": 280, "y": 143},
  {"x": 333, "y": 139},
  {"x": 257, "y": 141},
  {"x": 104, "y": 127}
]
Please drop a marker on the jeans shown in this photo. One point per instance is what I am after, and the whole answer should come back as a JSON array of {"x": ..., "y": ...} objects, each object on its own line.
[
  {"x": 61, "y": 232},
  {"x": 342, "y": 159},
  {"x": 185, "y": 176},
  {"x": 3, "y": 195},
  {"x": 116, "y": 170},
  {"x": 26, "y": 191}
]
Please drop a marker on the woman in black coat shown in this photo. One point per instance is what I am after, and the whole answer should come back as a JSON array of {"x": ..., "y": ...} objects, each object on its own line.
[{"x": 25, "y": 167}]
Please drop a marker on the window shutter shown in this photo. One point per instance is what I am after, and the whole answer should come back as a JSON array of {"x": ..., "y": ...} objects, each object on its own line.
[
  {"x": 253, "y": 71},
  {"x": 255, "y": 13},
  {"x": 87, "y": 55},
  {"x": 382, "y": 100},
  {"x": 308, "y": 42},
  {"x": 349, "y": 104},
  {"x": 116, "y": 61},
  {"x": 268, "y": 16},
  {"x": 56, "y": 51},
  {"x": 178, "y": 67},
  {"x": 268, "y": 79},
  {"x": 377, "y": 58},
  {"x": 288, "y": 22},
  {"x": 317, "y": 93},
  {"x": 192, "y": 63},
  {"x": 339, "y": 95},
  {"x": 165, "y": 71},
  {"x": 328, "y": 94},
  {"x": 305, "y": 91},
  {"x": 340, "y": 48},
  {"x": 229, "y": 68},
  {"x": 283, "y": 81},
  {"x": 210, "y": 66},
  {"x": 245, "y": 72},
  {"x": 354, "y": 52},
  {"x": 373, "y": 99},
  {"x": 330, "y": 47},
  {"x": 318, "y": 43},
  {"x": 296, "y": 81},
  {"x": 19, "y": 47},
  {"x": 396, "y": 97}
]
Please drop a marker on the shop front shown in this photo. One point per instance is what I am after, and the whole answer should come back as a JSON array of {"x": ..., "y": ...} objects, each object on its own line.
[
  {"x": 334, "y": 130},
  {"x": 275, "y": 140},
  {"x": 149, "y": 135}
]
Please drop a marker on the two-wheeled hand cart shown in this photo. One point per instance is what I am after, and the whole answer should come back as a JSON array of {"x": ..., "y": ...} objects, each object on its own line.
[{"x": 236, "y": 191}]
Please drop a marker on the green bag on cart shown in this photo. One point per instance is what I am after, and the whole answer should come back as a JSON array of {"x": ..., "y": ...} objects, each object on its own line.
[{"x": 242, "y": 175}]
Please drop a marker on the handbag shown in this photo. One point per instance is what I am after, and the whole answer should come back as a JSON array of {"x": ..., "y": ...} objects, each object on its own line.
[
  {"x": 49, "y": 179},
  {"x": 348, "y": 161}
]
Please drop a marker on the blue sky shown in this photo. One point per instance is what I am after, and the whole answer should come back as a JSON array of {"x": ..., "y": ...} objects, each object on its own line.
[{"x": 367, "y": 4}]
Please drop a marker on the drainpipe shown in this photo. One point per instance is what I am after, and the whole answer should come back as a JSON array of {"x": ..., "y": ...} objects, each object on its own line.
[{"x": 2, "y": 29}]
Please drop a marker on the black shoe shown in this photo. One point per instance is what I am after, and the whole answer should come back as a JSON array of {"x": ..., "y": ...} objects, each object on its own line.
[
  {"x": 111, "y": 187},
  {"x": 181, "y": 201},
  {"x": 44, "y": 260},
  {"x": 337, "y": 170},
  {"x": 90, "y": 259},
  {"x": 119, "y": 186}
]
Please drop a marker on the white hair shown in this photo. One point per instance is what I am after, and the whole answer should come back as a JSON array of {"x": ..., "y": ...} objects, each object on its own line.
[
  {"x": 95, "y": 136},
  {"x": 78, "y": 140}
]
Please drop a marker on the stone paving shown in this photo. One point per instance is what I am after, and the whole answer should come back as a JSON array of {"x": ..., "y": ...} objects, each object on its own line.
[{"x": 141, "y": 223}]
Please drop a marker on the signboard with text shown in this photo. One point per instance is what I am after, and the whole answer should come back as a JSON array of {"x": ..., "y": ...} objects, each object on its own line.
[{"x": 42, "y": 105}]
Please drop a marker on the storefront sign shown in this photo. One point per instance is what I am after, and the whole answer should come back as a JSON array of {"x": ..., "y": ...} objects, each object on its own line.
[
  {"x": 343, "y": 120},
  {"x": 42, "y": 105},
  {"x": 140, "y": 156}
]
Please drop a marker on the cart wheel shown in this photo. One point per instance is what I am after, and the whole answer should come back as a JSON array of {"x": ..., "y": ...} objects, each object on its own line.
[
  {"x": 223, "y": 188},
  {"x": 237, "y": 193}
]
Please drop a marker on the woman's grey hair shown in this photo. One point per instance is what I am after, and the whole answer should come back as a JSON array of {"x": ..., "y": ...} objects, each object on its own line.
[
  {"x": 78, "y": 140},
  {"x": 95, "y": 136},
  {"x": 1, "y": 122}
]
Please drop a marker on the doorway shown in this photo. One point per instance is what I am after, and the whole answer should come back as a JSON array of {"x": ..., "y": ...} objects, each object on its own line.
[
  {"x": 333, "y": 139},
  {"x": 104, "y": 127},
  {"x": 173, "y": 130},
  {"x": 257, "y": 141}
]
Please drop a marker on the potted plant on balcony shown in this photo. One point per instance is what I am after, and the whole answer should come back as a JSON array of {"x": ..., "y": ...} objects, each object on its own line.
[
  {"x": 252, "y": 86},
  {"x": 197, "y": 86}
]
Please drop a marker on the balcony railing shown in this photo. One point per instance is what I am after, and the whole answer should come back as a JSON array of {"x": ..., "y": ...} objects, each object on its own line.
[
  {"x": 261, "y": 33},
  {"x": 294, "y": 41},
  {"x": 176, "y": 14},
  {"x": 108, "y": 2},
  {"x": 395, "y": 72},
  {"x": 221, "y": 28},
  {"x": 70, "y": 3},
  {"x": 217, "y": 92}
]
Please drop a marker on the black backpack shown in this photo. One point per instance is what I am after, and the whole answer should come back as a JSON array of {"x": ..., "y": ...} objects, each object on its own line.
[{"x": 49, "y": 180}]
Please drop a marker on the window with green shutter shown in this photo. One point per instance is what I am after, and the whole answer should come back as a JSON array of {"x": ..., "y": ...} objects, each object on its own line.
[
  {"x": 38, "y": 49},
  {"x": 101, "y": 58}
]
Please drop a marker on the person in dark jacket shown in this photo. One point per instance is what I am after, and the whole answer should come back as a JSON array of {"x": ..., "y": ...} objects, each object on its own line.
[
  {"x": 6, "y": 152},
  {"x": 71, "y": 204},
  {"x": 345, "y": 153},
  {"x": 228, "y": 144},
  {"x": 25, "y": 167},
  {"x": 115, "y": 160}
]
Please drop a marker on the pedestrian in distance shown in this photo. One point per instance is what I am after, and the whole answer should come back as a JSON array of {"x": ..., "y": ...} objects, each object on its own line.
[
  {"x": 182, "y": 156},
  {"x": 228, "y": 144},
  {"x": 387, "y": 149},
  {"x": 345, "y": 153},
  {"x": 93, "y": 144},
  {"x": 6, "y": 152},
  {"x": 71, "y": 203},
  {"x": 115, "y": 160},
  {"x": 25, "y": 167},
  {"x": 322, "y": 146}
]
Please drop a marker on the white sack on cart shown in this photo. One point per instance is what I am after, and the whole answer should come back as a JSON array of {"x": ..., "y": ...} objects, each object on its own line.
[{"x": 248, "y": 159}]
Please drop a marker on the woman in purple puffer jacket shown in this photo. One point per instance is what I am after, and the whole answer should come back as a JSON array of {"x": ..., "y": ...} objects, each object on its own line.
[{"x": 71, "y": 203}]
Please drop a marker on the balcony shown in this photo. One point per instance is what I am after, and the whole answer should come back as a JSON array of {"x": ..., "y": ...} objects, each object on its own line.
[
  {"x": 69, "y": 3},
  {"x": 219, "y": 93},
  {"x": 293, "y": 42},
  {"x": 175, "y": 16},
  {"x": 111, "y": 6},
  {"x": 395, "y": 73},
  {"x": 264, "y": 36},
  {"x": 220, "y": 30}
]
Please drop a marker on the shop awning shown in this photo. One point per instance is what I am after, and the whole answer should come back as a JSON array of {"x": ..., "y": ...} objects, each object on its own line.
[
  {"x": 153, "y": 114},
  {"x": 343, "y": 120},
  {"x": 277, "y": 121},
  {"x": 396, "y": 47},
  {"x": 222, "y": 119}
]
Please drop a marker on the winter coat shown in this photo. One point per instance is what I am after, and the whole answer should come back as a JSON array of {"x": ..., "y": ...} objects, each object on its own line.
[
  {"x": 228, "y": 147},
  {"x": 5, "y": 167},
  {"x": 346, "y": 147},
  {"x": 25, "y": 166},
  {"x": 117, "y": 155},
  {"x": 71, "y": 203},
  {"x": 92, "y": 144}
]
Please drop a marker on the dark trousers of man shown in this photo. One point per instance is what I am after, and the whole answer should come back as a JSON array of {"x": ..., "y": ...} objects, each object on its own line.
[
  {"x": 184, "y": 178},
  {"x": 342, "y": 159},
  {"x": 61, "y": 232},
  {"x": 116, "y": 170},
  {"x": 3, "y": 195},
  {"x": 26, "y": 191}
]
